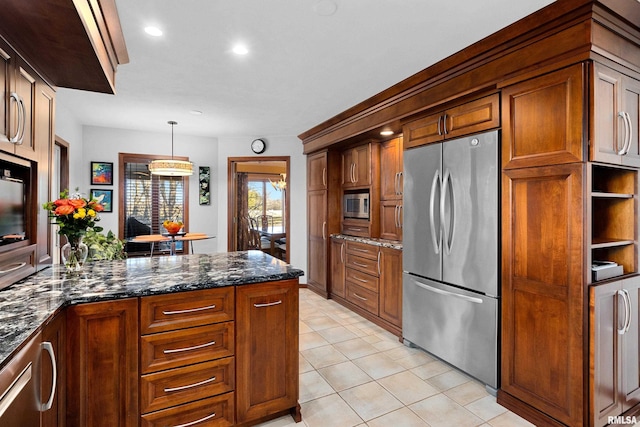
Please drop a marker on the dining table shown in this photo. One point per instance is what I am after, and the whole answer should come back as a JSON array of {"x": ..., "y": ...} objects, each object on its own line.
[
  {"x": 273, "y": 233},
  {"x": 171, "y": 238}
]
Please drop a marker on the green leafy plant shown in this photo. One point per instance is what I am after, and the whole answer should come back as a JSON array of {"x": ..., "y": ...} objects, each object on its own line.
[{"x": 104, "y": 247}]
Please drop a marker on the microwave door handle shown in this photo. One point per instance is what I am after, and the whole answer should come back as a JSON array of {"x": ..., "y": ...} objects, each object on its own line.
[{"x": 432, "y": 225}]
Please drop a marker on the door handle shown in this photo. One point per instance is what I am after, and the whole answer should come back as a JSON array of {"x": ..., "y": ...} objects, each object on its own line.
[
  {"x": 447, "y": 293},
  {"x": 54, "y": 381},
  {"x": 17, "y": 138},
  {"x": 624, "y": 295},
  {"x": 432, "y": 225},
  {"x": 450, "y": 232},
  {"x": 626, "y": 145}
]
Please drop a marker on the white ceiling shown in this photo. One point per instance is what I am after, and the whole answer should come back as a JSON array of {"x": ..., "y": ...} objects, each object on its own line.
[{"x": 303, "y": 67}]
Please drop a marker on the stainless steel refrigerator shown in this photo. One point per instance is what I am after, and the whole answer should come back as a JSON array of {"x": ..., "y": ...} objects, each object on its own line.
[{"x": 450, "y": 253}]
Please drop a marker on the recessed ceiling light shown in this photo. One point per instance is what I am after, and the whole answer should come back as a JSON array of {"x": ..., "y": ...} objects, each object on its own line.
[
  {"x": 386, "y": 132},
  {"x": 240, "y": 49},
  {"x": 196, "y": 112},
  {"x": 326, "y": 7},
  {"x": 153, "y": 31}
]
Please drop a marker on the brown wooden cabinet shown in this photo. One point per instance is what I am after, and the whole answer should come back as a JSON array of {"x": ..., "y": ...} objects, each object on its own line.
[
  {"x": 186, "y": 354},
  {"x": 616, "y": 115},
  {"x": 317, "y": 222},
  {"x": 356, "y": 166},
  {"x": 267, "y": 350},
  {"x": 53, "y": 393},
  {"x": 391, "y": 286},
  {"x": 471, "y": 117},
  {"x": 614, "y": 349},
  {"x": 338, "y": 267},
  {"x": 102, "y": 364},
  {"x": 556, "y": 99},
  {"x": 391, "y": 189},
  {"x": 543, "y": 290}
]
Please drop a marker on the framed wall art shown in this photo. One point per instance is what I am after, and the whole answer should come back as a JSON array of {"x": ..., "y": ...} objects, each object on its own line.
[
  {"x": 107, "y": 198},
  {"x": 204, "y": 177},
  {"x": 101, "y": 173}
]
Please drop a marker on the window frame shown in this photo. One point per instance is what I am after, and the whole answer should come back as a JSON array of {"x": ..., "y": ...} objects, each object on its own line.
[{"x": 123, "y": 160}]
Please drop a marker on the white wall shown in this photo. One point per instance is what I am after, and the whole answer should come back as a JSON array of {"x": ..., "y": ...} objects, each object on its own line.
[
  {"x": 297, "y": 191},
  {"x": 90, "y": 143}
]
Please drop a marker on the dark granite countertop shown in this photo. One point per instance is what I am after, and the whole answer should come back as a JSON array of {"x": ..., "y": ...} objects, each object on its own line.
[
  {"x": 27, "y": 304},
  {"x": 393, "y": 244}
]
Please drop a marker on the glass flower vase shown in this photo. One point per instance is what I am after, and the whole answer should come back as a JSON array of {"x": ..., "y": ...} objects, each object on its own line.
[{"x": 74, "y": 254}]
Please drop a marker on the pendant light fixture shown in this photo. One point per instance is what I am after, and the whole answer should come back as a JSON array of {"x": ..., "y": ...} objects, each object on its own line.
[{"x": 171, "y": 167}]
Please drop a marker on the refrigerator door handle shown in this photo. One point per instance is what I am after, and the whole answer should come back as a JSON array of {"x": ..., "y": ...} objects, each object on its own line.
[
  {"x": 448, "y": 232},
  {"x": 443, "y": 292},
  {"x": 432, "y": 201}
]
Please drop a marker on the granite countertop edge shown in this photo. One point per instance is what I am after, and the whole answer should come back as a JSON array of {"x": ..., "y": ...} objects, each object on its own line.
[
  {"x": 392, "y": 244},
  {"x": 28, "y": 305}
]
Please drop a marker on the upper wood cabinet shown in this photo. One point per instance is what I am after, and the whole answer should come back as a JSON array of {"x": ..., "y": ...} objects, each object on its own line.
[
  {"x": 613, "y": 318},
  {"x": 471, "y": 117},
  {"x": 18, "y": 104},
  {"x": 391, "y": 169},
  {"x": 81, "y": 51},
  {"x": 317, "y": 171},
  {"x": 542, "y": 119},
  {"x": 356, "y": 166},
  {"x": 616, "y": 115}
]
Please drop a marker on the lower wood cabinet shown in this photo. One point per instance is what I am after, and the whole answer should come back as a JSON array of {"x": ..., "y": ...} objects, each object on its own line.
[
  {"x": 615, "y": 349},
  {"x": 102, "y": 370},
  {"x": 53, "y": 391},
  {"x": 367, "y": 278},
  {"x": 267, "y": 350}
]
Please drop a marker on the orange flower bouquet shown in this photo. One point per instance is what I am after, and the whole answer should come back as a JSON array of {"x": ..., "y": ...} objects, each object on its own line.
[{"x": 74, "y": 215}]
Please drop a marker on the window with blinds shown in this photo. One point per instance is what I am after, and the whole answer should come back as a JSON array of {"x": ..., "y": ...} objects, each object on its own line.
[{"x": 147, "y": 200}]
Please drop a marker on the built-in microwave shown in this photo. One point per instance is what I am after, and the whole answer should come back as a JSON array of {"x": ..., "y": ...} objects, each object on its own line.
[{"x": 356, "y": 205}]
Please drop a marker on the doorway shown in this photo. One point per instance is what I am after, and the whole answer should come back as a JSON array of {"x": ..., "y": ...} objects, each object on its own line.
[{"x": 257, "y": 189}]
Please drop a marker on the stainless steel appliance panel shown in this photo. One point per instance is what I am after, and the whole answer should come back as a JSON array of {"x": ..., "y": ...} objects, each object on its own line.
[
  {"x": 470, "y": 220},
  {"x": 422, "y": 245},
  {"x": 457, "y": 326}
]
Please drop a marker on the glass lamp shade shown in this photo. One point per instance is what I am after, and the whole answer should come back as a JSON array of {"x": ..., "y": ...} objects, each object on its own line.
[{"x": 171, "y": 167}]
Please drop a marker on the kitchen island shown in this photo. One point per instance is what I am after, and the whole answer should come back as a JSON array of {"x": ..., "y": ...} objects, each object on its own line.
[{"x": 116, "y": 305}]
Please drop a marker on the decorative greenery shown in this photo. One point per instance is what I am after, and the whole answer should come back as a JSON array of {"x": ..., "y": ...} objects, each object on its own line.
[
  {"x": 104, "y": 247},
  {"x": 74, "y": 214}
]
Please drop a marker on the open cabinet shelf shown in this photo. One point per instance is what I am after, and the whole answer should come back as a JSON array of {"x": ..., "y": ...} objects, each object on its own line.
[{"x": 614, "y": 205}]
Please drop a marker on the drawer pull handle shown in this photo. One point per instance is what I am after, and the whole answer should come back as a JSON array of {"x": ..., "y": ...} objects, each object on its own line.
[
  {"x": 355, "y": 229},
  {"x": 366, "y": 251},
  {"x": 195, "y": 347},
  {"x": 17, "y": 267},
  {"x": 359, "y": 297},
  {"x": 361, "y": 280},
  {"x": 269, "y": 304},
  {"x": 359, "y": 264},
  {"x": 192, "y": 423},
  {"x": 185, "y": 387},
  {"x": 189, "y": 310}
]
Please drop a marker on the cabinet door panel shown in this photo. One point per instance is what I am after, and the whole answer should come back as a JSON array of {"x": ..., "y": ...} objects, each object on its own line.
[
  {"x": 543, "y": 282},
  {"x": 55, "y": 334},
  {"x": 391, "y": 220},
  {"x": 630, "y": 351},
  {"x": 423, "y": 131},
  {"x": 338, "y": 268},
  {"x": 26, "y": 88},
  {"x": 557, "y": 100},
  {"x": 391, "y": 286},
  {"x": 631, "y": 106},
  {"x": 391, "y": 169},
  {"x": 267, "y": 356},
  {"x": 473, "y": 117},
  {"x": 6, "y": 70},
  {"x": 317, "y": 171},
  {"x": 317, "y": 243},
  {"x": 102, "y": 369}
]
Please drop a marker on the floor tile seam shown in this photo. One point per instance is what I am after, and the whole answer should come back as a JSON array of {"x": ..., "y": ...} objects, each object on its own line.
[
  {"x": 381, "y": 415},
  {"x": 341, "y": 398}
]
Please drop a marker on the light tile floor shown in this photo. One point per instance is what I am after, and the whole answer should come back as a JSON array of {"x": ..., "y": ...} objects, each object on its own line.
[{"x": 354, "y": 373}]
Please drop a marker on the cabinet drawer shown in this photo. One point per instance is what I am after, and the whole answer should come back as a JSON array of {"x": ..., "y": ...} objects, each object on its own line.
[
  {"x": 162, "y": 313},
  {"x": 17, "y": 264},
  {"x": 362, "y": 249},
  {"x": 362, "y": 279},
  {"x": 362, "y": 297},
  {"x": 164, "y": 389},
  {"x": 211, "y": 412},
  {"x": 366, "y": 265},
  {"x": 179, "y": 348},
  {"x": 356, "y": 227}
]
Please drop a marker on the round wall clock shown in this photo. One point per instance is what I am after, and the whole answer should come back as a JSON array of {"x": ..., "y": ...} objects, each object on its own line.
[{"x": 258, "y": 146}]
